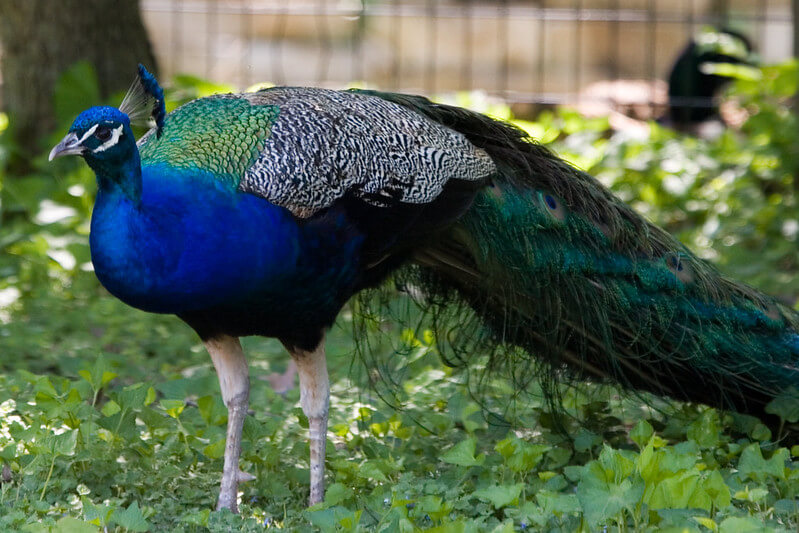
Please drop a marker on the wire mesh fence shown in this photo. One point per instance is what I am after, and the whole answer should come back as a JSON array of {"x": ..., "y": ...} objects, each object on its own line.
[{"x": 544, "y": 51}]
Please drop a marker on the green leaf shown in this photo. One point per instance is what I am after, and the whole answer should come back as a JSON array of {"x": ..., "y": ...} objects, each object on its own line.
[
  {"x": 586, "y": 440},
  {"x": 505, "y": 527},
  {"x": 121, "y": 424},
  {"x": 370, "y": 470},
  {"x": 641, "y": 433},
  {"x": 100, "y": 374},
  {"x": 718, "y": 491},
  {"x": 150, "y": 397},
  {"x": 131, "y": 518},
  {"x": 337, "y": 493},
  {"x": 737, "y": 524},
  {"x": 68, "y": 524},
  {"x": 462, "y": 454},
  {"x": 77, "y": 89},
  {"x": 9, "y": 452},
  {"x": 785, "y": 405},
  {"x": 173, "y": 407},
  {"x": 212, "y": 409},
  {"x": 197, "y": 518},
  {"x": 754, "y": 466},
  {"x": 787, "y": 507},
  {"x": 501, "y": 495},
  {"x": 64, "y": 444},
  {"x": 706, "y": 430},
  {"x": 606, "y": 487},
  {"x": 707, "y": 522},
  {"x": 215, "y": 450},
  {"x": 558, "y": 503},
  {"x": 682, "y": 491},
  {"x": 98, "y": 514},
  {"x": 752, "y": 495},
  {"x": 132, "y": 397},
  {"x": 110, "y": 408},
  {"x": 350, "y": 521}
]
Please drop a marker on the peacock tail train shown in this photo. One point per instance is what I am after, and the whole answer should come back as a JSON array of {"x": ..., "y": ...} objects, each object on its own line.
[{"x": 549, "y": 261}]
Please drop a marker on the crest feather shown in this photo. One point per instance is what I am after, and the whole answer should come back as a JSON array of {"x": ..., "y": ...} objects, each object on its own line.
[{"x": 144, "y": 102}]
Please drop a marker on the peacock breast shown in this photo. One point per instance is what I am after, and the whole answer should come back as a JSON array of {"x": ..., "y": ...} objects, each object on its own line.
[{"x": 190, "y": 244}]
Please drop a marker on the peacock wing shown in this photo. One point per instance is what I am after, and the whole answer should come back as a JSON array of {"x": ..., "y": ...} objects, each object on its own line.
[{"x": 304, "y": 149}]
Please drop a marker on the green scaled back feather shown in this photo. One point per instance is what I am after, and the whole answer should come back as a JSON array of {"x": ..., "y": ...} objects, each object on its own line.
[{"x": 220, "y": 135}]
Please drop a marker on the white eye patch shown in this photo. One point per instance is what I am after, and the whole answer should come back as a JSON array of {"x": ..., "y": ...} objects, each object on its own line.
[
  {"x": 87, "y": 134},
  {"x": 116, "y": 133}
]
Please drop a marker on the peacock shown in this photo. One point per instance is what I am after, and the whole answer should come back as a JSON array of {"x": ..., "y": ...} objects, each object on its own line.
[
  {"x": 694, "y": 85},
  {"x": 263, "y": 213},
  {"x": 688, "y": 101}
]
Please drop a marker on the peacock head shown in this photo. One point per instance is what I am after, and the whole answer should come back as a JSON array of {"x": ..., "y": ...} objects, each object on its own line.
[{"x": 102, "y": 135}]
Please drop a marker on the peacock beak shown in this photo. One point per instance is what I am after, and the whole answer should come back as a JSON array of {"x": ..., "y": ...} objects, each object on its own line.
[{"x": 69, "y": 145}]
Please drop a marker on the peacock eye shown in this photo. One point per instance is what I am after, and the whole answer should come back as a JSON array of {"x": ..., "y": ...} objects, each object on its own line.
[
  {"x": 103, "y": 133},
  {"x": 552, "y": 205},
  {"x": 680, "y": 267}
]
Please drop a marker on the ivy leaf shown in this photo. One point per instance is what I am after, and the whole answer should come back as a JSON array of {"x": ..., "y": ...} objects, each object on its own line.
[
  {"x": 586, "y": 440},
  {"x": 553, "y": 502},
  {"x": 69, "y": 524},
  {"x": 706, "y": 430},
  {"x": 753, "y": 465},
  {"x": 64, "y": 444},
  {"x": 718, "y": 491},
  {"x": 707, "y": 522},
  {"x": 131, "y": 518},
  {"x": 215, "y": 450},
  {"x": 785, "y": 405},
  {"x": 602, "y": 494},
  {"x": 370, "y": 470},
  {"x": 739, "y": 524},
  {"x": 462, "y": 454},
  {"x": 100, "y": 375},
  {"x": 132, "y": 397},
  {"x": 212, "y": 409},
  {"x": 641, "y": 433},
  {"x": 501, "y": 495},
  {"x": 173, "y": 407},
  {"x": 337, "y": 493}
]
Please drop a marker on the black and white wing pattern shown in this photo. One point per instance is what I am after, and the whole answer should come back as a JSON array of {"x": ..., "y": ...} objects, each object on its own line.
[{"x": 325, "y": 144}]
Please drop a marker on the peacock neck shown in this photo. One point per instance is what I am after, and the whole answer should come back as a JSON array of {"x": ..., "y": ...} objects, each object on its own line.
[{"x": 122, "y": 176}]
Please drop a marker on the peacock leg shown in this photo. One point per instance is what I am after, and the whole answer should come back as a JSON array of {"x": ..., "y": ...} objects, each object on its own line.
[
  {"x": 315, "y": 400},
  {"x": 231, "y": 368}
]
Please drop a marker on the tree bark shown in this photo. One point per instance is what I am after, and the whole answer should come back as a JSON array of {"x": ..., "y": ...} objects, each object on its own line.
[
  {"x": 795, "y": 4},
  {"x": 42, "y": 38}
]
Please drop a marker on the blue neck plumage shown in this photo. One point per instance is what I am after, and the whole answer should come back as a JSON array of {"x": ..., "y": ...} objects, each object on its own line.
[{"x": 123, "y": 174}]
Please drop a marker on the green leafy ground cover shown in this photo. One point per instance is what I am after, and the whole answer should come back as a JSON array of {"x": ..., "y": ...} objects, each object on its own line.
[{"x": 111, "y": 418}]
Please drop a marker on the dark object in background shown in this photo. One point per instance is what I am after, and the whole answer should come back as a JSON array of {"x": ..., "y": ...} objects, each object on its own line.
[
  {"x": 688, "y": 102},
  {"x": 692, "y": 86}
]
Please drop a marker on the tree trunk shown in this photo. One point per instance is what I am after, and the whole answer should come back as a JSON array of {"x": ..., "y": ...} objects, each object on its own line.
[
  {"x": 42, "y": 38},
  {"x": 795, "y": 5},
  {"x": 795, "y": 28}
]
